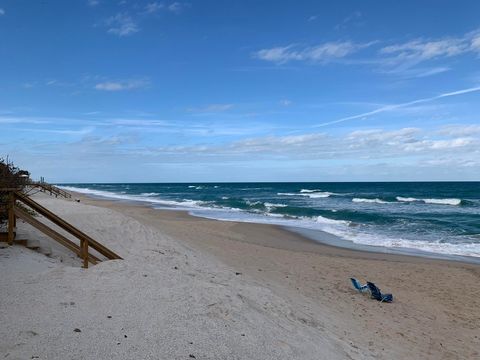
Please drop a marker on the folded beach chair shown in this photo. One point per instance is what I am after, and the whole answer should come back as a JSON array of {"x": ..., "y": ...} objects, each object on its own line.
[
  {"x": 356, "y": 284},
  {"x": 377, "y": 295}
]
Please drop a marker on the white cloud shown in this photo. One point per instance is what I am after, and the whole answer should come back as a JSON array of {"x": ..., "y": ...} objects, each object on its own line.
[
  {"x": 413, "y": 52},
  {"x": 321, "y": 53},
  {"x": 400, "y": 58},
  {"x": 154, "y": 7},
  {"x": 453, "y": 143},
  {"x": 29, "y": 85},
  {"x": 121, "y": 24},
  {"x": 418, "y": 50},
  {"x": 2, "y": 12},
  {"x": 475, "y": 45},
  {"x": 122, "y": 85},
  {"x": 211, "y": 108},
  {"x": 460, "y": 130},
  {"x": 407, "y": 143},
  {"x": 177, "y": 7},
  {"x": 420, "y": 73},
  {"x": 93, "y": 3},
  {"x": 22, "y": 120},
  {"x": 286, "y": 102}
]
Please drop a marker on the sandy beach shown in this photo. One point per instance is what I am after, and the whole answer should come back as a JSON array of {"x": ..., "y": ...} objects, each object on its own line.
[{"x": 190, "y": 287}]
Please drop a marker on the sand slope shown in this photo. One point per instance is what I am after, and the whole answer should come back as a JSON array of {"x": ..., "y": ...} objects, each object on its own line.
[{"x": 165, "y": 301}]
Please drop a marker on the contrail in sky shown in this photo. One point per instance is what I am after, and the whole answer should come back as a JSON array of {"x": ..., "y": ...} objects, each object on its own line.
[{"x": 402, "y": 105}]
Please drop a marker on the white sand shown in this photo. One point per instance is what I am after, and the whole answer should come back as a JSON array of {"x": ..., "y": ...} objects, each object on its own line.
[{"x": 166, "y": 301}]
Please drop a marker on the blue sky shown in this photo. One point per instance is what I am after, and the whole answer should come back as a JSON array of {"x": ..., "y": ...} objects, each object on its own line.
[{"x": 134, "y": 91}]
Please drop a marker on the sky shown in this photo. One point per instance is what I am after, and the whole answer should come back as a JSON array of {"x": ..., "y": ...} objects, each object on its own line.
[{"x": 213, "y": 91}]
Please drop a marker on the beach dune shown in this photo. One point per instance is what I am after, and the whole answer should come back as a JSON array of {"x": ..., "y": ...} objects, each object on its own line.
[{"x": 196, "y": 288}]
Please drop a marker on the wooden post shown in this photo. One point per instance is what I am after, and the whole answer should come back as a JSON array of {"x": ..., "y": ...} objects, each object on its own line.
[
  {"x": 11, "y": 217},
  {"x": 84, "y": 252}
]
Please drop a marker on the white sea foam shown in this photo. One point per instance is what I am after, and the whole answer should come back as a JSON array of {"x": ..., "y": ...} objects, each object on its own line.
[
  {"x": 376, "y": 201},
  {"x": 225, "y": 198},
  {"x": 310, "y": 195},
  {"x": 453, "y": 201},
  {"x": 253, "y": 203},
  {"x": 186, "y": 203},
  {"x": 150, "y": 194},
  {"x": 310, "y": 191},
  {"x": 406, "y": 199},
  {"x": 318, "y": 195},
  {"x": 324, "y": 220},
  {"x": 267, "y": 204},
  {"x": 438, "y": 247}
]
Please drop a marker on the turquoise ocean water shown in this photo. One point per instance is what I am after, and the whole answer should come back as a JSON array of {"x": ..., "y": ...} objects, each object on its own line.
[{"x": 437, "y": 217}]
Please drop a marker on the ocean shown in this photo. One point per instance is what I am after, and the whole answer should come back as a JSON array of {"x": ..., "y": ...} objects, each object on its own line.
[{"x": 433, "y": 217}]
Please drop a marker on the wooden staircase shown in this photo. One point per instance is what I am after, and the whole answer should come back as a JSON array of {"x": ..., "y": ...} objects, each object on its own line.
[
  {"x": 51, "y": 189},
  {"x": 81, "y": 248}
]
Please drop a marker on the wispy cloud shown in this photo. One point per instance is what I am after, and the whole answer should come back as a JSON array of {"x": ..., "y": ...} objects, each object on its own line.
[
  {"x": 211, "y": 108},
  {"x": 122, "y": 85},
  {"x": 321, "y": 53},
  {"x": 121, "y": 24},
  {"x": 355, "y": 16},
  {"x": 29, "y": 85},
  {"x": 177, "y": 7},
  {"x": 402, "y": 59},
  {"x": 393, "y": 107},
  {"x": 2, "y": 12},
  {"x": 406, "y": 55},
  {"x": 460, "y": 130},
  {"x": 154, "y": 7},
  {"x": 421, "y": 72},
  {"x": 72, "y": 132},
  {"x": 22, "y": 120},
  {"x": 93, "y": 3}
]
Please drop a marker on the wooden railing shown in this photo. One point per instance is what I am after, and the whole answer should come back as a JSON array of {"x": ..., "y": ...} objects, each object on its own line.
[
  {"x": 53, "y": 190},
  {"x": 82, "y": 249}
]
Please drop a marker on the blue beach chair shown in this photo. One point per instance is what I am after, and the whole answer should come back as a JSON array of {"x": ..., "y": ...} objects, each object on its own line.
[
  {"x": 377, "y": 295},
  {"x": 356, "y": 284}
]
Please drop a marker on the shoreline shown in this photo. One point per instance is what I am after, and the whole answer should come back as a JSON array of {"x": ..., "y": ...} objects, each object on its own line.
[{"x": 316, "y": 236}]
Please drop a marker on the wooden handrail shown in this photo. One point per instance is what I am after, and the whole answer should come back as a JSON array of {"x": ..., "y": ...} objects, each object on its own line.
[
  {"x": 67, "y": 227},
  {"x": 22, "y": 214}
]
